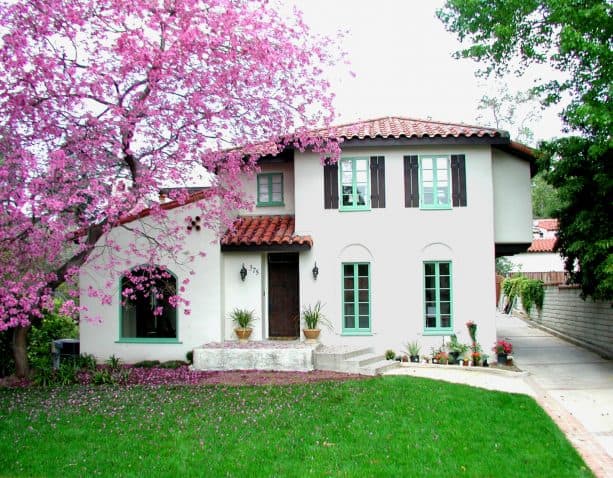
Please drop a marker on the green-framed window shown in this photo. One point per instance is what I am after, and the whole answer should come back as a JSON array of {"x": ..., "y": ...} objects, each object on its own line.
[
  {"x": 435, "y": 184},
  {"x": 356, "y": 298},
  {"x": 438, "y": 303},
  {"x": 146, "y": 314},
  {"x": 354, "y": 184},
  {"x": 270, "y": 189}
]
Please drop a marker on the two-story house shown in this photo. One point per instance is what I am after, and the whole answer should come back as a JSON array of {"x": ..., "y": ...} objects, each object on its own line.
[{"x": 397, "y": 239}]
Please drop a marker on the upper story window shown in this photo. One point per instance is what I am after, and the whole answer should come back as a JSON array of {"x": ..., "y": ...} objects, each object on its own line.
[
  {"x": 354, "y": 184},
  {"x": 270, "y": 189},
  {"x": 435, "y": 182},
  {"x": 361, "y": 184}
]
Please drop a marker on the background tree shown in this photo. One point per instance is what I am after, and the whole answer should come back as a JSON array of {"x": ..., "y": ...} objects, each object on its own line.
[
  {"x": 575, "y": 38},
  {"x": 102, "y": 102}
]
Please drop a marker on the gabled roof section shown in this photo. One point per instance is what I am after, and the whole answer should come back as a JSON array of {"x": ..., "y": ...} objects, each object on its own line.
[
  {"x": 253, "y": 233},
  {"x": 543, "y": 245},
  {"x": 399, "y": 127}
]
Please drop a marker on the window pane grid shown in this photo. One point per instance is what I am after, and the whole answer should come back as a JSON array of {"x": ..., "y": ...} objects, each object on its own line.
[
  {"x": 270, "y": 189},
  {"x": 435, "y": 185},
  {"x": 356, "y": 297},
  {"x": 354, "y": 183},
  {"x": 437, "y": 297}
]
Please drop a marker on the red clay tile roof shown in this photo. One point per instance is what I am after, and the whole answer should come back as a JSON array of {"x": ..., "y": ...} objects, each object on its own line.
[
  {"x": 396, "y": 127},
  {"x": 543, "y": 245},
  {"x": 264, "y": 230},
  {"x": 548, "y": 224}
]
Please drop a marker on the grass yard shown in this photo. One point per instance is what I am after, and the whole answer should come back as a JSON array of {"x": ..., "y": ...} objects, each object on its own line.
[{"x": 389, "y": 426}]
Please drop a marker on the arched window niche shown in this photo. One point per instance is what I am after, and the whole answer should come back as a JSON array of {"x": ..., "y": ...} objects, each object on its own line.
[{"x": 148, "y": 311}]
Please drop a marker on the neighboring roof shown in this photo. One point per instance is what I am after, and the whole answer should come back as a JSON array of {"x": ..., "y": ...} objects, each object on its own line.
[
  {"x": 263, "y": 232},
  {"x": 543, "y": 245},
  {"x": 548, "y": 224},
  {"x": 397, "y": 127}
]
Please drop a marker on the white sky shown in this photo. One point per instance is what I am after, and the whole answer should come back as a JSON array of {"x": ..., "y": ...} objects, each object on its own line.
[{"x": 402, "y": 58}]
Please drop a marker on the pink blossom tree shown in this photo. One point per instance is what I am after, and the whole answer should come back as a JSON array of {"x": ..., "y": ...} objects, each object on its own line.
[{"x": 102, "y": 102}]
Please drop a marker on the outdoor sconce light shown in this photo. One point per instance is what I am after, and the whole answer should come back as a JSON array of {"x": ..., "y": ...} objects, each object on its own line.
[
  {"x": 243, "y": 272},
  {"x": 315, "y": 271}
]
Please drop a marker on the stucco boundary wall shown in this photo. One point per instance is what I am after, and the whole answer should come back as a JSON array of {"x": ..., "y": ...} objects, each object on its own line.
[{"x": 586, "y": 323}]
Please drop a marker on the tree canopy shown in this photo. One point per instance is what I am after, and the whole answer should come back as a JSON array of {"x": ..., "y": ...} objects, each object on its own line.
[
  {"x": 576, "y": 38},
  {"x": 103, "y": 102}
]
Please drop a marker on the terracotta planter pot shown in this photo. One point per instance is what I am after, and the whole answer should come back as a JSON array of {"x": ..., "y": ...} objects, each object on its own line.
[
  {"x": 311, "y": 334},
  {"x": 243, "y": 334}
]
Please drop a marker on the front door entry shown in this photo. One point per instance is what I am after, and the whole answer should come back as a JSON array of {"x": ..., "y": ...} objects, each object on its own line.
[{"x": 283, "y": 297}]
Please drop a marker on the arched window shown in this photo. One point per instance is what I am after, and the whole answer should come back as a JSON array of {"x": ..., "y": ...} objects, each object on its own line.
[{"x": 147, "y": 297}]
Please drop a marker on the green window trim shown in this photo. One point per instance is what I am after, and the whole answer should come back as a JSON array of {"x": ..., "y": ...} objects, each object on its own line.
[
  {"x": 270, "y": 185},
  {"x": 438, "y": 298},
  {"x": 354, "y": 184},
  {"x": 137, "y": 340},
  {"x": 145, "y": 340},
  {"x": 438, "y": 195},
  {"x": 355, "y": 299}
]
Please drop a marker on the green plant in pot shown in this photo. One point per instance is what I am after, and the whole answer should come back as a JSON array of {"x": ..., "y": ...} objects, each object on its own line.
[
  {"x": 456, "y": 349},
  {"x": 313, "y": 319},
  {"x": 243, "y": 320},
  {"x": 414, "y": 348}
]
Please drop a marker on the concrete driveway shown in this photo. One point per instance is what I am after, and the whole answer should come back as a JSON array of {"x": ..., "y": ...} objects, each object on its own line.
[{"x": 574, "y": 385}]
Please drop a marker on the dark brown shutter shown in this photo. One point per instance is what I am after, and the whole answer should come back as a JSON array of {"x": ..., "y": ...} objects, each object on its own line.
[
  {"x": 377, "y": 181},
  {"x": 411, "y": 181},
  {"x": 331, "y": 186},
  {"x": 458, "y": 180}
]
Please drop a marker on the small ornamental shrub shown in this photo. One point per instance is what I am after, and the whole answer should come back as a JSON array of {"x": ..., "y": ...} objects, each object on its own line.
[
  {"x": 174, "y": 364},
  {"x": 53, "y": 326},
  {"x": 390, "y": 354},
  {"x": 87, "y": 362},
  {"x": 189, "y": 356},
  {"x": 114, "y": 362},
  {"x": 147, "y": 364}
]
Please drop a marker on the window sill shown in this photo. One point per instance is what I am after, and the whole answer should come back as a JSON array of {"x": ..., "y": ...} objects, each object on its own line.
[
  {"x": 142, "y": 340},
  {"x": 270, "y": 204},
  {"x": 345, "y": 209},
  {"x": 354, "y": 333},
  {"x": 435, "y": 208},
  {"x": 438, "y": 332}
]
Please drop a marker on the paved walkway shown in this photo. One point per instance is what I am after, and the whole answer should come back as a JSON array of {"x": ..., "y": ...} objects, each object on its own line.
[{"x": 573, "y": 385}]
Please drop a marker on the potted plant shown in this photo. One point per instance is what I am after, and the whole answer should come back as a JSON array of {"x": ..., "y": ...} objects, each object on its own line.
[
  {"x": 243, "y": 319},
  {"x": 390, "y": 354},
  {"x": 502, "y": 349},
  {"x": 484, "y": 358},
  {"x": 313, "y": 318},
  {"x": 456, "y": 349},
  {"x": 414, "y": 348}
]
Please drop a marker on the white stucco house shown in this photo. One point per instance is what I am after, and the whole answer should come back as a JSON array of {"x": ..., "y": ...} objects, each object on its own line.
[
  {"x": 398, "y": 240},
  {"x": 542, "y": 255}
]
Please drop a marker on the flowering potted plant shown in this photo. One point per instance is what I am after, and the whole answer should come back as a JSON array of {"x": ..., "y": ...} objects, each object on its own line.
[{"x": 502, "y": 349}]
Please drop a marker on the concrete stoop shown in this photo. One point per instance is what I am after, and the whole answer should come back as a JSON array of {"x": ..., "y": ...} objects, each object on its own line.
[{"x": 359, "y": 360}]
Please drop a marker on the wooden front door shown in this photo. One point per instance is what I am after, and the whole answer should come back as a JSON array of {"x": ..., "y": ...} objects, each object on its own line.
[{"x": 283, "y": 299}]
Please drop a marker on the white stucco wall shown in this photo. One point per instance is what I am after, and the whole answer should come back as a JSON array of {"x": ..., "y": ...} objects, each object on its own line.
[
  {"x": 512, "y": 199},
  {"x": 396, "y": 241},
  {"x": 101, "y": 338}
]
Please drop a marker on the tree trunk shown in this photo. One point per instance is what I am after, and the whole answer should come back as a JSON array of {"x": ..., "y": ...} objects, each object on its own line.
[{"x": 20, "y": 351}]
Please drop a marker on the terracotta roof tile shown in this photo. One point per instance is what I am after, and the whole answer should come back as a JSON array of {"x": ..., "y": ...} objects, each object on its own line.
[
  {"x": 543, "y": 245},
  {"x": 548, "y": 224},
  {"x": 396, "y": 127},
  {"x": 264, "y": 230}
]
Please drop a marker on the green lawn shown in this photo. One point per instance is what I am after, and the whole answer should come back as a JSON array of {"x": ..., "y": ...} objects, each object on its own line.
[{"x": 390, "y": 426}]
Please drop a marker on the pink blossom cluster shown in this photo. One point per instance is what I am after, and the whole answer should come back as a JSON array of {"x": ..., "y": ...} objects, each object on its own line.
[{"x": 103, "y": 102}]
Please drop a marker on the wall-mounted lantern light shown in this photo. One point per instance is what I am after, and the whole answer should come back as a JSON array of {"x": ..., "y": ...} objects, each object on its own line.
[
  {"x": 243, "y": 272},
  {"x": 315, "y": 271}
]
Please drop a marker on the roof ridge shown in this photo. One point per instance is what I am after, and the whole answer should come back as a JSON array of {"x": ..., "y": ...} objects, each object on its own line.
[{"x": 407, "y": 118}]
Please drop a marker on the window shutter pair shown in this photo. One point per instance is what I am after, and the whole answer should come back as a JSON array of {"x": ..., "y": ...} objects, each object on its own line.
[
  {"x": 458, "y": 180},
  {"x": 377, "y": 184}
]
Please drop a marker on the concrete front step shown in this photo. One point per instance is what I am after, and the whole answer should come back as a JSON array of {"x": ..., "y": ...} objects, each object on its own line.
[{"x": 361, "y": 360}]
